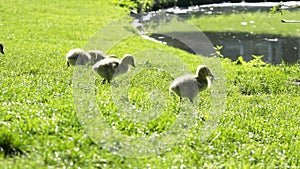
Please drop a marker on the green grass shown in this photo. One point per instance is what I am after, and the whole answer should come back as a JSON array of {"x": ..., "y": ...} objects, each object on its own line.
[
  {"x": 39, "y": 127},
  {"x": 254, "y": 23}
]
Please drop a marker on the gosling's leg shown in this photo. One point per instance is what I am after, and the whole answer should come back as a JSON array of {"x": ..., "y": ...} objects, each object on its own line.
[
  {"x": 1, "y": 48},
  {"x": 104, "y": 81},
  {"x": 174, "y": 97},
  {"x": 179, "y": 105}
]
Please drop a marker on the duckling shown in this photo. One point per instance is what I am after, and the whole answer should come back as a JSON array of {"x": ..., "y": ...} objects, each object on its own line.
[
  {"x": 190, "y": 85},
  {"x": 1, "y": 48},
  {"x": 109, "y": 68},
  {"x": 77, "y": 56}
]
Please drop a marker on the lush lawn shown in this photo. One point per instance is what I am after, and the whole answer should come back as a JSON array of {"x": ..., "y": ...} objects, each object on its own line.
[{"x": 38, "y": 123}]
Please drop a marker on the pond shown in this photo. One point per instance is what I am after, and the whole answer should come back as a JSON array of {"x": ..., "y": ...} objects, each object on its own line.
[{"x": 274, "y": 48}]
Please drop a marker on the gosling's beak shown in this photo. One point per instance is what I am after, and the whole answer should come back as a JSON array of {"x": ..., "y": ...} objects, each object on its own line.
[
  {"x": 68, "y": 64},
  {"x": 212, "y": 76},
  {"x": 2, "y": 51},
  {"x": 133, "y": 65}
]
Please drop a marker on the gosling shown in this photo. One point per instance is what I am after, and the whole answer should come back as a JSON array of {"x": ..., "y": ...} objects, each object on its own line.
[
  {"x": 190, "y": 85},
  {"x": 109, "y": 68},
  {"x": 1, "y": 48},
  {"x": 96, "y": 55},
  {"x": 77, "y": 56}
]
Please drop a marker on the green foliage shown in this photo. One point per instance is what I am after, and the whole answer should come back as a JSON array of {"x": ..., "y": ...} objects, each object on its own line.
[
  {"x": 276, "y": 9},
  {"x": 240, "y": 61},
  {"x": 257, "y": 62},
  {"x": 137, "y": 5},
  {"x": 279, "y": 8},
  {"x": 218, "y": 51},
  {"x": 257, "y": 77},
  {"x": 145, "y": 5},
  {"x": 127, "y": 4}
]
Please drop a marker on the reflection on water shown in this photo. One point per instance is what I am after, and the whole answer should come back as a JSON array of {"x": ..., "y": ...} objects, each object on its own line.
[
  {"x": 226, "y": 8},
  {"x": 275, "y": 48}
]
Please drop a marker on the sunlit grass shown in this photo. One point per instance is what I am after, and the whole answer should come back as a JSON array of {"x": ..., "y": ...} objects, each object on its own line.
[{"x": 38, "y": 123}]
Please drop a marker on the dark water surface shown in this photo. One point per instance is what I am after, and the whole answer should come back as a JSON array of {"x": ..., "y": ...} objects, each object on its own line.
[{"x": 274, "y": 48}]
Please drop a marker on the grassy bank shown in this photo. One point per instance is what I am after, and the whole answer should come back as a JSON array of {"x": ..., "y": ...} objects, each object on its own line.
[{"x": 38, "y": 123}]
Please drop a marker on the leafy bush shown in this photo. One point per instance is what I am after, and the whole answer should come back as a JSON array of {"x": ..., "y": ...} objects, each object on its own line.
[
  {"x": 150, "y": 5},
  {"x": 136, "y": 5}
]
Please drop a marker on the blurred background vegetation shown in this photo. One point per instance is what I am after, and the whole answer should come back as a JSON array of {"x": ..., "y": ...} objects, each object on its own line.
[{"x": 152, "y": 5}]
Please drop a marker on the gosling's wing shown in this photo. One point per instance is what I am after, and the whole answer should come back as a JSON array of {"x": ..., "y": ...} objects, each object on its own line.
[
  {"x": 107, "y": 71},
  {"x": 185, "y": 86},
  {"x": 96, "y": 55},
  {"x": 83, "y": 59},
  {"x": 202, "y": 83},
  {"x": 106, "y": 67},
  {"x": 108, "y": 63},
  {"x": 175, "y": 88},
  {"x": 78, "y": 56},
  {"x": 121, "y": 69}
]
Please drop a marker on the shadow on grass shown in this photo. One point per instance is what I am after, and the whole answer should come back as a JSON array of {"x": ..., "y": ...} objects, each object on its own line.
[{"x": 10, "y": 146}]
